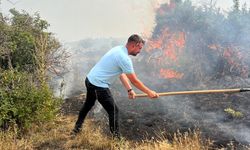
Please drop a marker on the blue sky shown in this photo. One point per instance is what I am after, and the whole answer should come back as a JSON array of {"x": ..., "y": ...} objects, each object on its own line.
[{"x": 73, "y": 20}]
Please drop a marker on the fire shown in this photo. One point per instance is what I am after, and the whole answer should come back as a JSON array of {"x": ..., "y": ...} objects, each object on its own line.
[
  {"x": 170, "y": 74},
  {"x": 175, "y": 45},
  {"x": 154, "y": 44},
  {"x": 233, "y": 57},
  {"x": 171, "y": 43},
  {"x": 213, "y": 47}
]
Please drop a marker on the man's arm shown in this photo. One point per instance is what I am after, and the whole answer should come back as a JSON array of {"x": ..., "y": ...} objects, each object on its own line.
[
  {"x": 138, "y": 84},
  {"x": 125, "y": 81},
  {"x": 126, "y": 84}
]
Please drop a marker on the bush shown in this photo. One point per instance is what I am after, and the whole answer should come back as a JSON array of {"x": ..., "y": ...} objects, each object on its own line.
[{"x": 22, "y": 102}]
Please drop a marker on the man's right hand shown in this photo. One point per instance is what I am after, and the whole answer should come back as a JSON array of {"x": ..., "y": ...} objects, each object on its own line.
[
  {"x": 152, "y": 94},
  {"x": 131, "y": 94},
  {"x": 138, "y": 84}
]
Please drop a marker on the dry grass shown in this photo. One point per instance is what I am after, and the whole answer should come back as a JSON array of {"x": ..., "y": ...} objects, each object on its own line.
[{"x": 56, "y": 135}]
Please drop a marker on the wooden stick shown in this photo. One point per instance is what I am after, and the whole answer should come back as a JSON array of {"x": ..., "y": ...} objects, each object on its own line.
[{"x": 199, "y": 92}]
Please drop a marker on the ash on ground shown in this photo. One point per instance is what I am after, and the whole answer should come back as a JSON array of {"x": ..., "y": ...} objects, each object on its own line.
[{"x": 146, "y": 119}]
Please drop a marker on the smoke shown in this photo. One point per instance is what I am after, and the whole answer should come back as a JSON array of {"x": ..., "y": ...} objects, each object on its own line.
[
  {"x": 191, "y": 48},
  {"x": 195, "y": 48},
  {"x": 83, "y": 56}
]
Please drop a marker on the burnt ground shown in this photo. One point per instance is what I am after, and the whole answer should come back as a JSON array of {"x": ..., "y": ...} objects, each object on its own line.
[{"x": 143, "y": 119}]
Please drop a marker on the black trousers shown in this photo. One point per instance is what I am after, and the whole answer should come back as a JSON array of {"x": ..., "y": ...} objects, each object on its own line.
[{"x": 105, "y": 98}]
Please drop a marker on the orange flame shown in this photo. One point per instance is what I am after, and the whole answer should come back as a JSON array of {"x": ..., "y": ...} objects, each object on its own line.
[
  {"x": 213, "y": 47},
  {"x": 170, "y": 43},
  {"x": 176, "y": 44},
  {"x": 233, "y": 57},
  {"x": 170, "y": 74}
]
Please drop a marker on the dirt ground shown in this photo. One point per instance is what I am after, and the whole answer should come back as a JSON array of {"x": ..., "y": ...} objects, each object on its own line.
[{"x": 143, "y": 119}]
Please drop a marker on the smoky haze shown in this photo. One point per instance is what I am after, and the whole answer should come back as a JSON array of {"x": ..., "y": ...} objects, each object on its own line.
[
  {"x": 191, "y": 48},
  {"x": 79, "y": 19},
  {"x": 198, "y": 48}
]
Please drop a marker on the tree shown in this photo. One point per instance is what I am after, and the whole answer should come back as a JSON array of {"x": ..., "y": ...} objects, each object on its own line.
[
  {"x": 236, "y": 5},
  {"x": 27, "y": 46},
  {"x": 27, "y": 53},
  {"x": 214, "y": 44}
]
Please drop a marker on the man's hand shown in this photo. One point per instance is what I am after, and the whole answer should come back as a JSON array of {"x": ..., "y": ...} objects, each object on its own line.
[
  {"x": 131, "y": 94},
  {"x": 152, "y": 94}
]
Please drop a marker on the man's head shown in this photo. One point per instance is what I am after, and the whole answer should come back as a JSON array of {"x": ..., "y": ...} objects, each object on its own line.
[{"x": 135, "y": 44}]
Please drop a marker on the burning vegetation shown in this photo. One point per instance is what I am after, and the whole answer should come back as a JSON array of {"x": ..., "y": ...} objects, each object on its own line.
[
  {"x": 198, "y": 48},
  {"x": 191, "y": 48}
]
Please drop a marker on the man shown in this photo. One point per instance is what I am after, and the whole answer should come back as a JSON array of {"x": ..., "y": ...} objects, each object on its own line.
[{"x": 115, "y": 62}]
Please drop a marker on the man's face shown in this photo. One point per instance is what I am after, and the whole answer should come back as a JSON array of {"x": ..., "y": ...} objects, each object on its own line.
[{"x": 136, "y": 48}]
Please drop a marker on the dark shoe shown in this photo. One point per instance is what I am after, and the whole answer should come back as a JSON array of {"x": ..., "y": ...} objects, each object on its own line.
[
  {"x": 117, "y": 136},
  {"x": 75, "y": 131}
]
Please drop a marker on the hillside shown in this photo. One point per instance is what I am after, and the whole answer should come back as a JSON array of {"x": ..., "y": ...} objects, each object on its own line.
[{"x": 56, "y": 135}]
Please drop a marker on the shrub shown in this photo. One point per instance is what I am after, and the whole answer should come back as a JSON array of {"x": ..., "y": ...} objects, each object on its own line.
[
  {"x": 234, "y": 114},
  {"x": 22, "y": 102}
]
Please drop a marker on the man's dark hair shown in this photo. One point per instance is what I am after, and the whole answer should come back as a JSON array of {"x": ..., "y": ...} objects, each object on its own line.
[{"x": 135, "y": 38}]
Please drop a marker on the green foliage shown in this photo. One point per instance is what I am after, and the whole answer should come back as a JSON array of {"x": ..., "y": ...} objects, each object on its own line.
[
  {"x": 22, "y": 102},
  {"x": 27, "y": 22},
  {"x": 27, "y": 51},
  {"x": 24, "y": 52},
  {"x": 25, "y": 45},
  {"x": 233, "y": 113}
]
